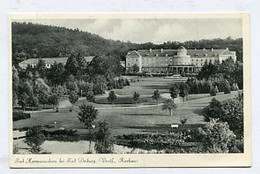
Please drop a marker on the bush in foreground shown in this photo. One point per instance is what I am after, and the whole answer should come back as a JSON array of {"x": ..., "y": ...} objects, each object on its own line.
[{"x": 17, "y": 115}]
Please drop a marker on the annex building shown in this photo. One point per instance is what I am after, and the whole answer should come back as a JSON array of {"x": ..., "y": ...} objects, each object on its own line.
[
  {"x": 48, "y": 61},
  {"x": 175, "y": 61}
]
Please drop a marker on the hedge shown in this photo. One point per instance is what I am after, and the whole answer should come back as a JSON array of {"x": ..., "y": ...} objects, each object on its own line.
[{"x": 18, "y": 115}]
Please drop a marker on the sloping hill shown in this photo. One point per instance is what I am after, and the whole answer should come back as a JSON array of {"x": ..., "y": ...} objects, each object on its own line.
[{"x": 35, "y": 40}]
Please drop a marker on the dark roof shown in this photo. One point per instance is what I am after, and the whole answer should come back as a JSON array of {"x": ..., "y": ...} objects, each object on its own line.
[
  {"x": 191, "y": 52},
  {"x": 205, "y": 52},
  {"x": 62, "y": 60}
]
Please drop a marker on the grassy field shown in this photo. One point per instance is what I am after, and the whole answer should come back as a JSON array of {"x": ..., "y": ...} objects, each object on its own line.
[
  {"x": 128, "y": 120},
  {"x": 147, "y": 85}
]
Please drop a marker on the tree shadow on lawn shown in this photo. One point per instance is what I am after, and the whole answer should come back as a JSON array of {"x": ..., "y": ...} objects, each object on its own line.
[
  {"x": 198, "y": 111},
  {"x": 155, "y": 114},
  {"x": 157, "y": 87}
]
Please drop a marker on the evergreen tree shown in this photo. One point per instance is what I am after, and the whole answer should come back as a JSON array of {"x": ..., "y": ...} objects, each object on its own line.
[
  {"x": 104, "y": 142},
  {"x": 112, "y": 97},
  {"x": 41, "y": 68},
  {"x": 156, "y": 95},
  {"x": 71, "y": 67},
  {"x": 174, "y": 91},
  {"x": 136, "y": 97},
  {"x": 34, "y": 139},
  {"x": 57, "y": 74}
]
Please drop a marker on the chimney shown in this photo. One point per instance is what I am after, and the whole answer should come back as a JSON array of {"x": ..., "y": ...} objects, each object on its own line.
[
  {"x": 150, "y": 50},
  {"x": 161, "y": 50}
]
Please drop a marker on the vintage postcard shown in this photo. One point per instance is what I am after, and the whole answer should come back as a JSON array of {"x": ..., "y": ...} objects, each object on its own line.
[{"x": 129, "y": 90}]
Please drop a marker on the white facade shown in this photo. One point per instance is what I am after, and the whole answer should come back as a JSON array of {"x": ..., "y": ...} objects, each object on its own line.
[{"x": 159, "y": 61}]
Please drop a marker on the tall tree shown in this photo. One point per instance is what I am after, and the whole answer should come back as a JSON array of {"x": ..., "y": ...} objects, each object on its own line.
[
  {"x": 169, "y": 105},
  {"x": 184, "y": 90},
  {"x": 73, "y": 98},
  {"x": 71, "y": 66},
  {"x": 57, "y": 74},
  {"x": 104, "y": 142},
  {"x": 174, "y": 91},
  {"x": 15, "y": 86},
  {"x": 82, "y": 65},
  {"x": 25, "y": 91},
  {"x": 41, "y": 68},
  {"x": 87, "y": 115},
  {"x": 23, "y": 100},
  {"x": 54, "y": 100}
]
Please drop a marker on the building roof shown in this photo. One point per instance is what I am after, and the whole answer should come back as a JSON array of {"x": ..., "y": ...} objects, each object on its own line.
[
  {"x": 192, "y": 52},
  {"x": 62, "y": 60}
]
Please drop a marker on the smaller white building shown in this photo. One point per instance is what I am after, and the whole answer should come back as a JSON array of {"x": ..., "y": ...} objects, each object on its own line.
[{"x": 48, "y": 61}]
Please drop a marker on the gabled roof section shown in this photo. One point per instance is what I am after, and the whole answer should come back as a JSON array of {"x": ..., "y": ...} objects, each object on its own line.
[
  {"x": 228, "y": 52},
  {"x": 134, "y": 54}
]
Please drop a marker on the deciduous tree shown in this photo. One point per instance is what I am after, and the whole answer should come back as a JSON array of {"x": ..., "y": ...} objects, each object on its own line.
[
  {"x": 87, "y": 115},
  {"x": 73, "y": 98},
  {"x": 169, "y": 105}
]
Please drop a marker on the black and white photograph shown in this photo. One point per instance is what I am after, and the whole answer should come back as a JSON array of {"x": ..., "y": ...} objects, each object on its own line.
[{"x": 128, "y": 84}]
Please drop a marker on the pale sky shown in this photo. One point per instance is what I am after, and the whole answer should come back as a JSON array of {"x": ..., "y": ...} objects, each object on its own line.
[{"x": 152, "y": 30}]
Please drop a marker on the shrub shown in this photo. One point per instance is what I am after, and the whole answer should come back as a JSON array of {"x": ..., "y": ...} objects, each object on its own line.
[
  {"x": 216, "y": 137},
  {"x": 17, "y": 115},
  {"x": 230, "y": 111},
  {"x": 214, "y": 91},
  {"x": 225, "y": 86}
]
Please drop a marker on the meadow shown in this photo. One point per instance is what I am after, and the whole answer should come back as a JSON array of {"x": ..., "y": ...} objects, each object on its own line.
[{"x": 126, "y": 118}]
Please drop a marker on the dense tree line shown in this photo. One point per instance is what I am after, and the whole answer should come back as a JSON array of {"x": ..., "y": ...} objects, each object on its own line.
[
  {"x": 227, "y": 70},
  {"x": 35, "y": 40},
  {"x": 39, "y": 85}
]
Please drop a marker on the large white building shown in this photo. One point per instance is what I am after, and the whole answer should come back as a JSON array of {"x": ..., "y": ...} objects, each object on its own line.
[{"x": 175, "y": 61}]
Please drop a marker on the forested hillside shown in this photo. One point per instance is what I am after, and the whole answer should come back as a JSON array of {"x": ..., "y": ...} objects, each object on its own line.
[{"x": 35, "y": 40}]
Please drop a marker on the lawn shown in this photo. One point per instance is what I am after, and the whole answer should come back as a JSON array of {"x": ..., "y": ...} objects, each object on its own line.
[
  {"x": 147, "y": 85},
  {"x": 127, "y": 120}
]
